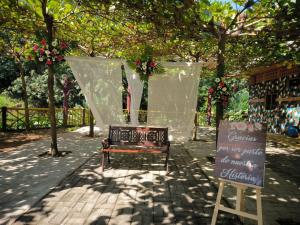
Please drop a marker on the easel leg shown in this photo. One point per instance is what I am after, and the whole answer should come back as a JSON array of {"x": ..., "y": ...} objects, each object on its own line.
[
  {"x": 259, "y": 207},
  {"x": 240, "y": 200},
  {"x": 218, "y": 201},
  {"x": 242, "y": 205}
]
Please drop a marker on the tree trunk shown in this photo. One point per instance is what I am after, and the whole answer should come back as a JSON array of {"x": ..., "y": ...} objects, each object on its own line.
[
  {"x": 54, "y": 149},
  {"x": 66, "y": 92},
  {"x": 65, "y": 115},
  {"x": 24, "y": 96},
  {"x": 196, "y": 124},
  {"x": 48, "y": 19},
  {"x": 91, "y": 124},
  {"x": 209, "y": 110},
  {"x": 220, "y": 74}
]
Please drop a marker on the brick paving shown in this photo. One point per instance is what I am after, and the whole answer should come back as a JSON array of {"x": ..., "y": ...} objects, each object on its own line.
[
  {"x": 281, "y": 192},
  {"x": 283, "y": 155},
  {"x": 135, "y": 189},
  {"x": 25, "y": 177}
]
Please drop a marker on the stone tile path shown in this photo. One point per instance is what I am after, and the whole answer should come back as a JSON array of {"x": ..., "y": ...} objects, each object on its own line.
[
  {"x": 133, "y": 190},
  {"x": 281, "y": 193},
  {"x": 25, "y": 177},
  {"x": 283, "y": 156}
]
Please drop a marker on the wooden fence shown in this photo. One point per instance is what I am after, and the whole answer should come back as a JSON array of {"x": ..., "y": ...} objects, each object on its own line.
[{"x": 13, "y": 119}]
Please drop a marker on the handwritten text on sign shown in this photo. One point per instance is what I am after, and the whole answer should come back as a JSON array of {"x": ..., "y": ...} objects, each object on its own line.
[{"x": 241, "y": 152}]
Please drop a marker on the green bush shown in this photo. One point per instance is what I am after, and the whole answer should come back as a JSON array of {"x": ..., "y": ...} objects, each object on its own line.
[
  {"x": 9, "y": 102},
  {"x": 8, "y": 72},
  {"x": 238, "y": 106},
  {"x": 37, "y": 88}
]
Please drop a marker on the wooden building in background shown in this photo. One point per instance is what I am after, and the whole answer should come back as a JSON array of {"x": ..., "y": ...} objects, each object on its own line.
[{"x": 274, "y": 96}]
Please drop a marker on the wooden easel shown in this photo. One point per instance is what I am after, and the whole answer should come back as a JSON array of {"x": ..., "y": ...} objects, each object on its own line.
[{"x": 240, "y": 202}]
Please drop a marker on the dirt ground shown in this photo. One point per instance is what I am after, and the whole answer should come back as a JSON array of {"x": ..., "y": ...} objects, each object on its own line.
[
  {"x": 9, "y": 141},
  {"x": 285, "y": 141}
]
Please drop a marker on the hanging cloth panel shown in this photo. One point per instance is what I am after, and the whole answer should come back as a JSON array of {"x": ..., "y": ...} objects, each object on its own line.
[
  {"x": 136, "y": 90},
  {"x": 172, "y": 98},
  {"x": 101, "y": 83}
]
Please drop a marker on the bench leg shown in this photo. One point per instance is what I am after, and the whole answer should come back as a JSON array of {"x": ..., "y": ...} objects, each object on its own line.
[
  {"x": 102, "y": 162},
  {"x": 108, "y": 158},
  {"x": 166, "y": 162}
]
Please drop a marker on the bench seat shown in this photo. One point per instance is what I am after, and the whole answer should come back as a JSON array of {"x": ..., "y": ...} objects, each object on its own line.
[{"x": 129, "y": 139}]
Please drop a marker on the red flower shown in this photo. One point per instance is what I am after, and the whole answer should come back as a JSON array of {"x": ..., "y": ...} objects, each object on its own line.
[
  {"x": 63, "y": 45},
  {"x": 59, "y": 58},
  {"x": 30, "y": 58},
  {"x": 210, "y": 90},
  {"x": 138, "y": 62},
  {"x": 52, "y": 53},
  {"x": 152, "y": 64},
  {"x": 222, "y": 84},
  {"x": 42, "y": 51},
  {"x": 35, "y": 48},
  {"x": 43, "y": 42},
  {"x": 49, "y": 62}
]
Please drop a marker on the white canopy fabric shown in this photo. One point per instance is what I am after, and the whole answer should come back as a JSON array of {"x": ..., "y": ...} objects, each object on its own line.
[
  {"x": 101, "y": 83},
  {"x": 172, "y": 96}
]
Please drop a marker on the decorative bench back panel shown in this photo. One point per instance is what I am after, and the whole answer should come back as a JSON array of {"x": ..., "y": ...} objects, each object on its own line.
[{"x": 140, "y": 136}]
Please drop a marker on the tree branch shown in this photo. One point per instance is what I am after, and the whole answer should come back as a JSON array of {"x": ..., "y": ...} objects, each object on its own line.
[
  {"x": 245, "y": 27},
  {"x": 248, "y": 4}
]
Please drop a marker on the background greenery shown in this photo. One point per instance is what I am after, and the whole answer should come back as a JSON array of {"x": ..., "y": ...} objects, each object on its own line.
[
  {"x": 38, "y": 90},
  {"x": 254, "y": 33}
]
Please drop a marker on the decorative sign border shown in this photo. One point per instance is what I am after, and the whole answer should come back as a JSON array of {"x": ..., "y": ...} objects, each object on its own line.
[{"x": 240, "y": 155}]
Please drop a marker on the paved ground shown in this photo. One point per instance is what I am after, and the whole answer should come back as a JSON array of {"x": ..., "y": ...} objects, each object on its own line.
[
  {"x": 283, "y": 157},
  {"x": 134, "y": 190},
  {"x": 25, "y": 177},
  {"x": 281, "y": 194}
]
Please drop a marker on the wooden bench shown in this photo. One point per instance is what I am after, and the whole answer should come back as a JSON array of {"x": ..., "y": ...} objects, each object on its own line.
[{"x": 128, "y": 139}]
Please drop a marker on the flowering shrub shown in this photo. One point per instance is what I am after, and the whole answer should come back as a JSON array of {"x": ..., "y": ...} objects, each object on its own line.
[
  {"x": 42, "y": 53},
  {"x": 221, "y": 90},
  {"x": 146, "y": 67}
]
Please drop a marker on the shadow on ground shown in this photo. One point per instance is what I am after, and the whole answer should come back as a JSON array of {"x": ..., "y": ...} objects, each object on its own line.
[
  {"x": 133, "y": 190},
  {"x": 26, "y": 177},
  {"x": 281, "y": 193},
  {"x": 284, "y": 162}
]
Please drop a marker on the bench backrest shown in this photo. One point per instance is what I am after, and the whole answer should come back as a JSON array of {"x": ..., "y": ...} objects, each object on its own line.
[{"x": 139, "y": 136}]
